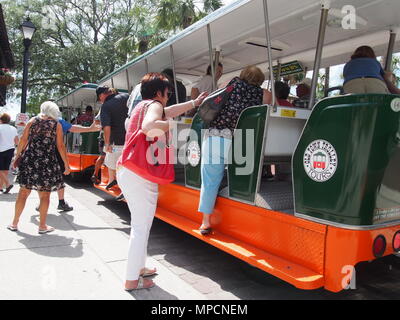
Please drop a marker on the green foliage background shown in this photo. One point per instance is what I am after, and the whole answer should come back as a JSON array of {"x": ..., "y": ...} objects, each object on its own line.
[{"x": 84, "y": 40}]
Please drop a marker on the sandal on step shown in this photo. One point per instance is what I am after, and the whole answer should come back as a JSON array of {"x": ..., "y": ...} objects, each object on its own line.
[
  {"x": 141, "y": 285},
  {"x": 206, "y": 231},
  {"x": 148, "y": 272}
]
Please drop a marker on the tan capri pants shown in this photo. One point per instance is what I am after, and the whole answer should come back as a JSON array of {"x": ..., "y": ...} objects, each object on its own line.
[{"x": 365, "y": 85}]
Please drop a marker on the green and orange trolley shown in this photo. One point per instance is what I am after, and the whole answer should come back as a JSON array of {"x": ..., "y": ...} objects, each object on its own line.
[{"x": 337, "y": 200}]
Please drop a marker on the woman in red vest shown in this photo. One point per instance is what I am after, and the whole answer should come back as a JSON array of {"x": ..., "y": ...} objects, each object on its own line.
[{"x": 151, "y": 116}]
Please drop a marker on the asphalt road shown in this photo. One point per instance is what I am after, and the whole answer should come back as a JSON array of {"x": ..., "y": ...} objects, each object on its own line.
[{"x": 218, "y": 275}]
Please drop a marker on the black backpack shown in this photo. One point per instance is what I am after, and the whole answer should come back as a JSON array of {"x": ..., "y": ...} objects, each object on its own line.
[{"x": 213, "y": 104}]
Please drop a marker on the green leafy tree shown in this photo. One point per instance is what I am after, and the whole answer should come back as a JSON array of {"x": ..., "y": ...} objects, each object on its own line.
[
  {"x": 396, "y": 68},
  {"x": 75, "y": 41},
  {"x": 212, "y": 5},
  {"x": 173, "y": 15},
  {"x": 84, "y": 40}
]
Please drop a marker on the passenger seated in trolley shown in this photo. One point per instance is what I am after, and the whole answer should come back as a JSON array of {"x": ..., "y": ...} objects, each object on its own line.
[
  {"x": 205, "y": 84},
  {"x": 364, "y": 74},
  {"x": 303, "y": 91},
  {"x": 282, "y": 91},
  {"x": 87, "y": 118}
]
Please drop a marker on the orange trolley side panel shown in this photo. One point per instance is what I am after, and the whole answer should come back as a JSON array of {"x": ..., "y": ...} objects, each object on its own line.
[
  {"x": 287, "y": 247},
  {"x": 245, "y": 232},
  {"x": 307, "y": 254},
  {"x": 74, "y": 160},
  {"x": 87, "y": 161},
  {"x": 80, "y": 162},
  {"x": 345, "y": 248}
]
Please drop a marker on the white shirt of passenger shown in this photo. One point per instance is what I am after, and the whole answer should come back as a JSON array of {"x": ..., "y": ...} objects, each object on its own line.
[
  {"x": 7, "y": 136},
  {"x": 205, "y": 84}
]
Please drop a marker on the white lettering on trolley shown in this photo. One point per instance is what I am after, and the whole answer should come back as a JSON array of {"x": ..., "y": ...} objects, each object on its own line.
[{"x": 384, "y": 214}]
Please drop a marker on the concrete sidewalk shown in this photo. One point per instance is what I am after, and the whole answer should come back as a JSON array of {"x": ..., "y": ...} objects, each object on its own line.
[{"x": 83, "y": 259}]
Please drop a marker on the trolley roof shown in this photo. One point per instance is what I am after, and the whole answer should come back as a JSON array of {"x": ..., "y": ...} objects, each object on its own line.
[
  {"x": 81, "y": 97},
  {"x": 294, "y": 30}
]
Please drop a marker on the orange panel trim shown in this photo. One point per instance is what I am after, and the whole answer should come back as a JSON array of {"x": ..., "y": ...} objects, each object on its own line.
[{"x": 307, "y": 254}]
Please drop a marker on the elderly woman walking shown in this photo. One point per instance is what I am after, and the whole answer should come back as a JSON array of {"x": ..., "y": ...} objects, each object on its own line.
[
  {"x": 39, "y": 168},
  {"x": 151, "y": 117}
]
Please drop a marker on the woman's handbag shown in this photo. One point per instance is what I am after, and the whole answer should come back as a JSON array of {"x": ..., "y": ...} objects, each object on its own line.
[
  {"x": 213, "y": 104},
  {"x": 152, "y": 159}
]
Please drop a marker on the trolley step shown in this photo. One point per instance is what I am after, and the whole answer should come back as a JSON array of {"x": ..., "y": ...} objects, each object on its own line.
[{"x": 295, "y": 274}]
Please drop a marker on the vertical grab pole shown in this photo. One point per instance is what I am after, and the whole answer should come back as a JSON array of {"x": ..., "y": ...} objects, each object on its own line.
[
  {"x": 278, "y": 74},
  {"x": 325, "y": 6},
  {"x": 327, "y": 80},
  {"x": 268, "y": 38},
  {"x": 210, "y": 50},
  {"x": 171, "y": 50},
  {"x": 389, "y": 55},
  {"x": 272, "y": 84},
  {"x": 69, "y": 111},
  {"x": 146, "y": 63},
  {"x": 216, "y": 63},
  {"x": 127, "y": 81}
]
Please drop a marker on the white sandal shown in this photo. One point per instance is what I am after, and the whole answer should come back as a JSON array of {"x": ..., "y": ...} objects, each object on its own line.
[{"x": 48, "y": 230}]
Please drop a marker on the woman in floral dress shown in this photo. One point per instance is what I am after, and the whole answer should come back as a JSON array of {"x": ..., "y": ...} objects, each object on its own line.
[
  {"x": 39, "y": 168},
  {"x": 247, "y": 92}
]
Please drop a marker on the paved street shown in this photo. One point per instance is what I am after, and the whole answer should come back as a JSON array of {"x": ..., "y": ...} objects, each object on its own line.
[{"x": 85, "y": 259}]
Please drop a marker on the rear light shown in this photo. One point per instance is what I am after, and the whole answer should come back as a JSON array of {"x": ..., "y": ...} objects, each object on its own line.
[
  {"x": 379, "y": 246},
  {"x": 396, "y": 242}
]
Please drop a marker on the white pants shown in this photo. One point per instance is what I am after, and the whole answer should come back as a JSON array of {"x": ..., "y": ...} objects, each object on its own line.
[{"x": 141, "y": 196}]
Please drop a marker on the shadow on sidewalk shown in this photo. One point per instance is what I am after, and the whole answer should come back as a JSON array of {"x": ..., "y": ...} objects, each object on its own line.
[
  {"x": 69, "y": 247},
  {"x": 9, "y": 197},
  {"x": 155, "y": 293},
  {"x": 63, "y": 227}
]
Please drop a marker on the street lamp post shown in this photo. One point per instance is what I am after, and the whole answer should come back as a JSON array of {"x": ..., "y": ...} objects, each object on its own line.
[{"x": 28, "y": 29}]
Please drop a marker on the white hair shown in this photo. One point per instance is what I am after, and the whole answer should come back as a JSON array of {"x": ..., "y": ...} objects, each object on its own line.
[{"x": 50, "y": 109}]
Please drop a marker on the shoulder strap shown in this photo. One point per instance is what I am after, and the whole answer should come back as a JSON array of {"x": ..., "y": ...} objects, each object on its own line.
[{"x": 144, "y": 111}]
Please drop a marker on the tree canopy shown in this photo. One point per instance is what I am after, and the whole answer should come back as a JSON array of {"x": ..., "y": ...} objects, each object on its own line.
[{"x": 80, "y": 41}]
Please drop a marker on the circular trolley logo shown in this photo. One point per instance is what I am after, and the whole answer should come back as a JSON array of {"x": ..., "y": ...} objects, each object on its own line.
[
  {"x": 193, "y": 153},
  {"x": 395, "y": 104},
  {"x": 320, "y": 160}
]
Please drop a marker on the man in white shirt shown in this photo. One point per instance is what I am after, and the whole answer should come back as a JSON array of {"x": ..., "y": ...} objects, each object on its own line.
[
  {"x": 205, "y": 85},
  {"x": 8, "y": 141}
]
